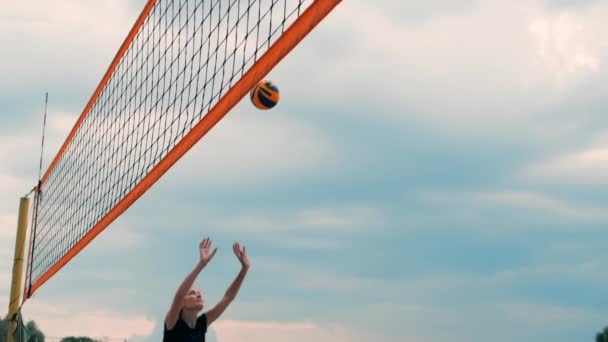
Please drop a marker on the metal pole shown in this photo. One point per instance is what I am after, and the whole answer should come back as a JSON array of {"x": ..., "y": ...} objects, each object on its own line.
[{"x": 17, "y": 281}]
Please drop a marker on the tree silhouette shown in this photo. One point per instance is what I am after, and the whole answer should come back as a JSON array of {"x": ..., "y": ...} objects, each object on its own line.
[{"x": 602, "y": 336}]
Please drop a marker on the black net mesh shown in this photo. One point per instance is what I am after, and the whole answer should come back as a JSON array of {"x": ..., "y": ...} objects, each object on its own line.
[{"x": 187, "y": 54}]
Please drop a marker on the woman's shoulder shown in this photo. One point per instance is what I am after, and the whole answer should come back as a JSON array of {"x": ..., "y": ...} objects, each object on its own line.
[{"x": 202, "y": 321}]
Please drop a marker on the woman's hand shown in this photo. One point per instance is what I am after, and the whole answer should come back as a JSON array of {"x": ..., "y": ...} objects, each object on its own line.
[
  {"x": 241, "y": 255},
  {"x": 205, "y": 251}
]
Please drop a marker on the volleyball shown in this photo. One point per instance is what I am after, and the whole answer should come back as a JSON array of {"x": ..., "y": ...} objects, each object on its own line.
[{"x": 265, "y": 95}]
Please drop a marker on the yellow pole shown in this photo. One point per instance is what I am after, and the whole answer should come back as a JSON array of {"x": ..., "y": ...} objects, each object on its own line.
[{"x": 17, "y": 283}]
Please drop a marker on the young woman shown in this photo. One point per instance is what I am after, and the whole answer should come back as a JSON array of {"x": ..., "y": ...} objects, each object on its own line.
[{"x": 182, "y": 322}]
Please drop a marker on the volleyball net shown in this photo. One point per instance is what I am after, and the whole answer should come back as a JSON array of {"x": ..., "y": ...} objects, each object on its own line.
[{"x": 180, "y": 70}]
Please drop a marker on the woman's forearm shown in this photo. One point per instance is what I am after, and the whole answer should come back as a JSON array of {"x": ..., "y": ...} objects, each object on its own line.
[
  {"x": 236, "y": 284},
  {"x": 189, "y": 280}
]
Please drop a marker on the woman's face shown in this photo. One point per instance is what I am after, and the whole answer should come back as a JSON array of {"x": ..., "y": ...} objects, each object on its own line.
[{"x": 194, "y": 300}]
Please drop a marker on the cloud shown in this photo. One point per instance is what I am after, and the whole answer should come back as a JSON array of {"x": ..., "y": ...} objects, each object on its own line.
[
  {"x": 303, "y": 228},
  {"x": 13, "y": 187},
  {"x": 586, "y": 270},
  {"x": 61, "y": 320},
  {"x": 514, "y": 201},
  {"x": 245, "y": 149},
  {"x": 251, "y": 150},
  {"x": 543, "y": 203},
  {"x": 419, "y": 303},
  {"x": 337, "y": 220},
  {"x": 509, "y": 317},
  {"x": 540, "y": 315},
  {"x": 74, "y": 317},
  {"x": 417, "y": 13},
  {"x": 231, "y": 330},
  {"x": 572, "y": 4},
  {"x": 432, "y": 286},
  {"x": 50, "y": 29},
  {"x": 299, "y": 227},
  {"x": 587, "y": 166},
  {"x": 288, "y": 147},
  {"x": 564, "y": 46},
  {"x": 5, "y": 278},
  {"x": 299, "y": 243},
  {"x": 424, "y": 302},
  {"x": 8, "y": 227},
  {"x": 118, "y": 236},
  {"x": 20, "y": 150},
  {"x": 468, "y": 68},
  {"x": 489, "y": 69},
  {"x": 412, "y": 308}
]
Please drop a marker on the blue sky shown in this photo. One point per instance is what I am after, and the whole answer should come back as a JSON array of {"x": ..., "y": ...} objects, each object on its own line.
[{"x": 434, "y": 171}]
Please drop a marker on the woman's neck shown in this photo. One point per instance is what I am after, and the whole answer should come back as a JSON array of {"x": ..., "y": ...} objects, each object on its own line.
[{"x": 189, "y": 316}]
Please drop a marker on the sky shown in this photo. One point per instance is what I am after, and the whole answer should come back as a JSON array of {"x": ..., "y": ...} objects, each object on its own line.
[{"x": 434, "y": 171}]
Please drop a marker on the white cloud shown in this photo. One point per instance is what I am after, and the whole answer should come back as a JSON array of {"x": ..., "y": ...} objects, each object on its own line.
[
  {"x": 69, "y": 318},
  {"x": 342, "y": 282},
  {"x": 13, "y": 188},
  {"x": 380, "y": 321},
  {"x": 424, "y": 302},
  {"x": 118, "y": 236},
  {"x": 467, "y": 205},
  {"x": 564, "y": 47},
  {"x": 61, "y": 320},
  {"x": 539, "y": 315},
  {"x": 493, "y": 69},
  {"x": 19, "y": 159},
  {"x": 304, "y": 228},
  {"x": 346, "y": 218},
  {"x": 232, "y": 330},
  {"x": 15, "y": 151},
  {"x": 418, "y": 304},
  {"x": 302, "y": 242},
  {"x": 249, "y": 147},
  {"x": 586, "y": 166},
  {"x": 455, "y": 67},
  {"x": 5, "y": 278},
  {"x": 305, "y": 276},
  {"x": 587, "y": 270},
  {"x": 337, "y": 219},
  {"x": 8, "y": 227},
  {"x": 21, "y": 151},
  {"x": 461, "y": 322},
  {"x": 247, "y": 150},
  {"x": 541, "y": 202},
  {"x": 412, "y": 308},
  {"x": 417, "y": 12},
  {"x": 76, "y": 38}
]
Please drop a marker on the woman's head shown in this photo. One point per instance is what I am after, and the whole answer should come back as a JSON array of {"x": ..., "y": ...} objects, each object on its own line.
[{"x": 193, "y": 300}]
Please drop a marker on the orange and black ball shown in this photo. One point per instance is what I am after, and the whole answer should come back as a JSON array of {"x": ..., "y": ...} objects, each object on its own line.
[{"x": 265, "y": 95}]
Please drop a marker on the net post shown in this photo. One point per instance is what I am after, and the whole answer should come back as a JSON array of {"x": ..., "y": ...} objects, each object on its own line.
[{"x": 17, "y": 280}]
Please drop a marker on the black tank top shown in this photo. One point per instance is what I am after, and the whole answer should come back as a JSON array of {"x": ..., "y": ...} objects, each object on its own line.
[{"x": 181, "y": 332}]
